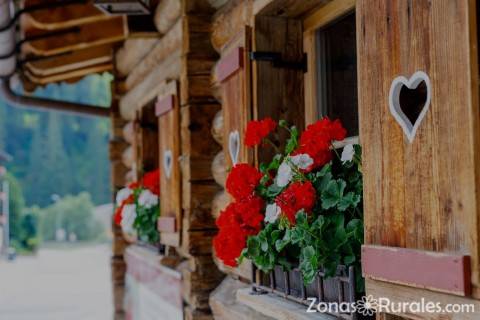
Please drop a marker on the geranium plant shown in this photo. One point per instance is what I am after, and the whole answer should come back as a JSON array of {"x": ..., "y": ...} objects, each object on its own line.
[
  {"x": 138, "y": 208},
  {"x": 303, "y": 209}
]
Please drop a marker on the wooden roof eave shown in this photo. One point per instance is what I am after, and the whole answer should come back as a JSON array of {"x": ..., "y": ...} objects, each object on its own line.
[{"x": 78, "y": 73}]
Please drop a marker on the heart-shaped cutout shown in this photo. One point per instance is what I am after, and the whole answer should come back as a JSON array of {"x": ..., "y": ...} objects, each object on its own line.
[
  {"x": 234, "y": 146},
  {"x": 409, "y": 101},
  {"x": 167, "y": 162}
]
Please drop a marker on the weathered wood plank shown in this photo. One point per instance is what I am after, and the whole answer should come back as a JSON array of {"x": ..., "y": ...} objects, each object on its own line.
[
  {"x": 278, "y": 92},
  {"x": 422, "y": 194},
  {"x": 71, "y": 61},
  {"x": 90, "y": 35},
  {"x": 442, "y": 272},
  {"x": 170, "y": 179}
]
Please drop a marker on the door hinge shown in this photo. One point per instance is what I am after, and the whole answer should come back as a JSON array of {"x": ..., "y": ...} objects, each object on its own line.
[{"x": 277, "y": 62}]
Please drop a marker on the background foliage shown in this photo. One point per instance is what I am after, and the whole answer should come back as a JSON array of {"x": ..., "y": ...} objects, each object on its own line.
[{"x": 55, "y": 153}]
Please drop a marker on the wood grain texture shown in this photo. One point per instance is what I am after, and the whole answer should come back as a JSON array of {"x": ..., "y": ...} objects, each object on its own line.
[
  {"x": 71, "y": 61},
  {"x": 404, "y": 294},
  {"x": 278, "y": 92},
  {"x": 165, "y": 47},
  {"x": 132, "y": 52},
  {"x": 170, "y": 186},
  {"x": 449, "y": 273},
  {"x": 229, "y": 21},
  {"x": 421, "y": 195},
  {"x": 90, "y": 35},
  {"x": 236, "y": 99},
  {"x": 150, "y": 87}
]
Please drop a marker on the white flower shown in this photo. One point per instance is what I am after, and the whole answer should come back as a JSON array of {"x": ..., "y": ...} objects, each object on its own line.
[
  {"x": 129, "y": 214},
  {"x": 284, "y": 174},
  {"x": 122, "y": 195},
  {"x": 348, "y": 153},
  {"x": 272, "y": 213},
  {"x": 147, "y": 199},
  {"x": 302, "y": 161}
]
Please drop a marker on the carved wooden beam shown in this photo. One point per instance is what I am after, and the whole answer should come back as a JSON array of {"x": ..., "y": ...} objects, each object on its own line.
[
  {"x": 88, "y": 35},
  {"x": 71, "y": 61}
]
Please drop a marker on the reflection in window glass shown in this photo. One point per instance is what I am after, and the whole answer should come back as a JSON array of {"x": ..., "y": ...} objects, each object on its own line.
[{"x": 337, "y": 72}]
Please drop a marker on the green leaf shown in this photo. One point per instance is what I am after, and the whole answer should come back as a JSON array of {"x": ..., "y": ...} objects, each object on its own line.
[
  {"x": 333, "y": 193},
  {"x": 292, "y": 142},
  {"x": 349, "y": 200}
]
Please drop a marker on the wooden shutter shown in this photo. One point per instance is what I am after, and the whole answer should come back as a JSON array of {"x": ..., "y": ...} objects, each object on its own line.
[
  {"x": 233, "y": 74},
  {"x": 420, "y": 197},
  {"x": 167, "y": 110}
]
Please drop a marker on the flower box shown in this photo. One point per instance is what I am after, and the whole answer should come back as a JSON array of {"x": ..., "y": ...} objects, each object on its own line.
[{"x": 289, "y": 285}]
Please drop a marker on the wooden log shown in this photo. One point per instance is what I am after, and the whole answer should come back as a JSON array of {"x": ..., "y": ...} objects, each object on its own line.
[
  {"x": 199, "y": 219},
  {"x": 197, "y": 144},
  {"x": 128, "y": 157},
  {"x": 118, "y": 173},
  {"x": 128, "y": 132},
  {"x": 220, "y": 202},
  {"x": 229, "y": 21},
  {"x": 197, "y": 243},
  {"x": 150, "y": 87},
  {"x": 164, "y": 48},
  {"x": 196, "y": 286},
  {"x": 217, "y": 127},
  {"x": 243, "y": 271},
  {"x": 166, "y": 13},
  {"x": 219, "y": 169},
  {"x": 132, "y": 52},
  {"x": 199, "y": 195}
]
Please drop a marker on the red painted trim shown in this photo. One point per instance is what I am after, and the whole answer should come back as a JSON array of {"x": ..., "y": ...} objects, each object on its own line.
[
  {"x": 164, "y": 105},
  {"x": 230, "y": 64},
  {"x": 166, "y": 224},
  {"x": 426, "y": 269}
]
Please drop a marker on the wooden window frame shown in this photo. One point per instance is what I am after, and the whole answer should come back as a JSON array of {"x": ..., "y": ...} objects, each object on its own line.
[{"x": 318, "y": 19}]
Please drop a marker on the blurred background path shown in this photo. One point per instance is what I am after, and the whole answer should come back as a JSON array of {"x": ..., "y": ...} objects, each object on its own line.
[{"x": 65, "y": 282}]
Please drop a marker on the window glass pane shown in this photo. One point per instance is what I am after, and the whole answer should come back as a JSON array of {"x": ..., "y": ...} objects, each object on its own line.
[{"x": 337, "y": 72}]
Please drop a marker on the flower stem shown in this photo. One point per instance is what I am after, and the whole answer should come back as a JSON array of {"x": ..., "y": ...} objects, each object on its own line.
[{"x": 270, "y": 142}]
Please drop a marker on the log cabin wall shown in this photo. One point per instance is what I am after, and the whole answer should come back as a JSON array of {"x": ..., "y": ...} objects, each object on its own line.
[{"x": 181, "y": 53}]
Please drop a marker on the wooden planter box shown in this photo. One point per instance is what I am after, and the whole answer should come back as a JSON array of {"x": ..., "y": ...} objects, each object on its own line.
[{"x": 289, "y": 285}]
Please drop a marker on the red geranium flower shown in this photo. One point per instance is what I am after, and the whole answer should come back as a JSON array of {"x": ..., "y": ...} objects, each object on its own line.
[
  {"x": 151, "y": 181},
  {"x": 242, "y": 181},
  {"x": 238, "y": 221},
  {"x": 257, "y": 130},
  {"x": 317, "y": 139},
  {"x": 250, "y": 212},
  {"x": 296, "y": 197},
  {"x": 228, "y": 244}
]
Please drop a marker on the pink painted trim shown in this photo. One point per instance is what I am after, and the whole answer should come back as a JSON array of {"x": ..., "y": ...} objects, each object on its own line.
[
  {"x": 426, "y": 269},
  {"x": 230, "y": 64},
  {"x": 166, "y": 224},
  {"x": 164, "y": 105}
]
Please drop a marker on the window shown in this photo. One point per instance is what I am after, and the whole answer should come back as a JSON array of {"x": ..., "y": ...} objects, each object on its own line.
[
  {"x": 331, "y": 79},
  {"x": 337, "y": 73}
]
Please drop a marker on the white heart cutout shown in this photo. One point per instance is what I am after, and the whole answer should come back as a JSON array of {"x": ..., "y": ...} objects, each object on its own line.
[
  {"x": 409, "y": 128},
  {"x": 234, "y": 146},
  {"x": 167, "y": 162}
]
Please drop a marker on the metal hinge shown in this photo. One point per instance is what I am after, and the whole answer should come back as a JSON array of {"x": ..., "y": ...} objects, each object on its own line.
[{"x": 277, "y": 62}]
